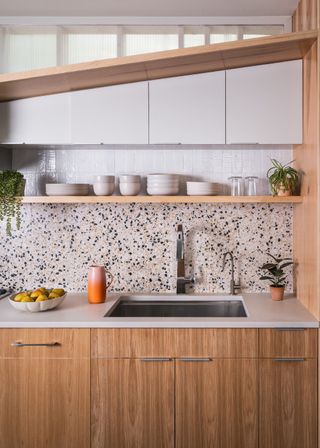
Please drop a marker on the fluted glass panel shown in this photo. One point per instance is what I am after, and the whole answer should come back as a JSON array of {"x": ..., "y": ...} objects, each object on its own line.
[
  {"x": 194, "y": 36},
  {"x": 251, "y": 32},
  {"x": 138, "y": 40},
  {"x": 220, "y": 34}
]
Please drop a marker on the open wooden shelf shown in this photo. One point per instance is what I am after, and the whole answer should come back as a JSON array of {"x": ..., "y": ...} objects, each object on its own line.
[
  {"x": 159, "y": 199},
  {"x": 163, "y": 64}
]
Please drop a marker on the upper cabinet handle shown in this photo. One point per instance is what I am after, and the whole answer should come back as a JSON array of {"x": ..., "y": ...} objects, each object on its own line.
[{"x": 48, "y": 344}]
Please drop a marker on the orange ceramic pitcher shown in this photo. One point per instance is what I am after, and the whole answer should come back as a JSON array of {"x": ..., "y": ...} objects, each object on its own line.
[{"x": 97, "y": 284}]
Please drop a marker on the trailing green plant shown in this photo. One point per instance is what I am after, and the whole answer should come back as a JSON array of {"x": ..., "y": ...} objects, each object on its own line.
[
  {"x": 275, "y": 271},
  {"x": 282, "y": 176},
  {"x": 11, "y": 190}
]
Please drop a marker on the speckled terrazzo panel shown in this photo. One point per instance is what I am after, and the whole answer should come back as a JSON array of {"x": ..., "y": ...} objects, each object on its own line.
[{"x": 57, "y": 244}]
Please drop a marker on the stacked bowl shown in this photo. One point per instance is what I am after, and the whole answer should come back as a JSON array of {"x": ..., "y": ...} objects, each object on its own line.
[
  {"x": 67, "y": 189},
  {"x": 162, "y": 184},
  {"x": 202, "y": 189}
]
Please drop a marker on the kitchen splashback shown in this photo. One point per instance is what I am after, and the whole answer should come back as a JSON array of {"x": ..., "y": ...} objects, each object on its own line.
[{"x": 137, "y": 243}]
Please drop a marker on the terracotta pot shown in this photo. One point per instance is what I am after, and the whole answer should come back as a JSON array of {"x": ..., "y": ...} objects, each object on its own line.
[
  {"x": 282, "y": 191},
  {"x": 277, "y": 292},
  {"x": 97, "y": 284}
]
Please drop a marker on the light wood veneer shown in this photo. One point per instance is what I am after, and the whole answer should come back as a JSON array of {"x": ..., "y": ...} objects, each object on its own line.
[{"x": 288, "y": 343}]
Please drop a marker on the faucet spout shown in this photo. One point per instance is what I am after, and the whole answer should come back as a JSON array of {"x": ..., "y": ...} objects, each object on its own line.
[
  {"x": 182, "y": 281},
  {"x": 234, "y": 287}
]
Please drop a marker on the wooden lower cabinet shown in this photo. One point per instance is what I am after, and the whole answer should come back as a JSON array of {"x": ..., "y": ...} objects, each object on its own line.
[
  {"x": 44, "y": 403},
  {"x": 132, "y": 403},
  {"x": 288, "y": 403},
  {"x": 216, "y": 403}
]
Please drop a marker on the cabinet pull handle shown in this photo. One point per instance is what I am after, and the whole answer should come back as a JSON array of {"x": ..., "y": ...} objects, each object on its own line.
[
  {"x": 155, "y": 359},
  {"x": 48, "y": 344},
  {"x": 290, "y": 329},
  {"x": 289, "y": 359},
  {"x": 195, "y": 359}
]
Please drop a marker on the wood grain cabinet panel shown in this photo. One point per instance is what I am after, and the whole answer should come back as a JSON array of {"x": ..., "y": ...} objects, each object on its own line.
[
  {"x": 217, "y": 403},
  {"x": 288, "y": 343},
  {"x": 288, "y": 403},
  {"x": 136, "y": 343},
  {"x": 44, "y": 403},
  {"x": 70, "y": 343},
  {"x": 132, "y": 403}
]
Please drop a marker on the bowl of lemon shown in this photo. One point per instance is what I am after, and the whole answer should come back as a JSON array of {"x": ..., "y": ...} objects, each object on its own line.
[{"x": 40, "y": 299}]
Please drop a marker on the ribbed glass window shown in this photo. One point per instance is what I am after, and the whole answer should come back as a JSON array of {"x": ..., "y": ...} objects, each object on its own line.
[
  {"x": 29, "y": 47},
  {"x": 88, "y": 44},
  {"x": 138, "y": 40}
]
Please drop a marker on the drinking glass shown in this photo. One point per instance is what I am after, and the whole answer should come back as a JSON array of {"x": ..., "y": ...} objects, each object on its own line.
[
  {"x": 236, "y": 185},
  {"x": 251, "y": 185}
]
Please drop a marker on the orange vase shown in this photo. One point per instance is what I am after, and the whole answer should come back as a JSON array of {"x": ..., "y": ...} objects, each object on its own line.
[{"x": 97, "y": 284}]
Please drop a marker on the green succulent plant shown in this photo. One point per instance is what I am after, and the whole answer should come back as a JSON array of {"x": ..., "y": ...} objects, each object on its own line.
[
  {"x": 11, "y": 190},
  {"x": 282, "y": 176},
  {"x": 275, "y": 271}
]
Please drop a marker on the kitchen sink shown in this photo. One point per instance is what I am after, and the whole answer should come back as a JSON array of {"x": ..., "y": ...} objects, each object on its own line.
[{"x": 173, "y": 307}]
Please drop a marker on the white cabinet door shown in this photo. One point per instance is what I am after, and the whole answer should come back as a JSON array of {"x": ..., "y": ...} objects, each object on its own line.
[
  {"x": 188, "y": 109},
  {"x": 116, "y": 114},
  {"x": 264, "y": 104},
  {"x": 39, "y": 120}
]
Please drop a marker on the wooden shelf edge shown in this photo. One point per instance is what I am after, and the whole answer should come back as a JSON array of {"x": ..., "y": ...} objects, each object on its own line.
[
  {"x": 184, "y": 61},
  {"x": 160, "y": 199}
]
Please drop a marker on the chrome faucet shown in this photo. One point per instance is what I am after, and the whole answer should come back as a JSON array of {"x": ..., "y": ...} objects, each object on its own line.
[
  {"x": 182, "y": 281},
  {"x": 234, "y": 287}
]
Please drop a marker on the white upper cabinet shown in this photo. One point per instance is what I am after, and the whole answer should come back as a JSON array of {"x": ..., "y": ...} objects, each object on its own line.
[
  {"x": 115, "y": 115},
  {"x": 264, "y": 104},
  {"x": 188, "y": 109},
  {"x": 39, "y": 120}
]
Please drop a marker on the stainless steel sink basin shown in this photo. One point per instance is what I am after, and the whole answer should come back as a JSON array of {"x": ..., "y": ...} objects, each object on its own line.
[{"x": 127, "y": 307}]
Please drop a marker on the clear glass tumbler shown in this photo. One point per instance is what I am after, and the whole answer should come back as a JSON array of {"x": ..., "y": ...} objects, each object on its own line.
[
  {"x": 251, "y": 185},
  {"x": 236, "y": 185}
]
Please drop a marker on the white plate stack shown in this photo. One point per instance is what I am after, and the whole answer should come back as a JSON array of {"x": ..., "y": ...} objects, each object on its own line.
[
  {"x": 203, "y": 189},
  {"x": 67, "y": 189},
  {"x": 162, "y": 184}
]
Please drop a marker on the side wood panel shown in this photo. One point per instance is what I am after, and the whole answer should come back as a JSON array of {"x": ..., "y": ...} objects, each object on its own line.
[
  {"x": 136, "y": 343},
  {"x": 288, "y": 343},
  {"x": 217, "y": 404},
  {"x": 45, "y": 403},
  {"x": 132, "y": 404},
  {"x": 73, "y": 343},
  {"x": 305, "y": 17}
]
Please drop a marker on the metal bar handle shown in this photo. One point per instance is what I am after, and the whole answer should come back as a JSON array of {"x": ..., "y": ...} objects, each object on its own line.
[
  {"x": 289, "y": 359},
  {"x": 48, "y": 344},
  {"x": 290, "y": 329},
  {"x": 155, "y": 359},
  {"x": 195, "y": 359}
]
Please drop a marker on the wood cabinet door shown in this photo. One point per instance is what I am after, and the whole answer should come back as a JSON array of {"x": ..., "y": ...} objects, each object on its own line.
[
  {"x": 217, "y": 403},
  {"x": 44, "y": 403},
  {"x": 188, "y": 109},
  {"x": 132, "y": 403},
  {"x": 264, "y": 104},
  {"x": 110, "y": 115},
  {"x": 288, "y": 403}
]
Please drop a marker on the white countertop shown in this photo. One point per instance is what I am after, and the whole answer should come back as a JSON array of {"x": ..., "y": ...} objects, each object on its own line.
[{"x": 75, "y": 312}]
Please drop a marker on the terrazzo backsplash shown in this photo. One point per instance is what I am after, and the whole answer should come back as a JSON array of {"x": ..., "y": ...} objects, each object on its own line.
[{"x": 137, "y": 243}]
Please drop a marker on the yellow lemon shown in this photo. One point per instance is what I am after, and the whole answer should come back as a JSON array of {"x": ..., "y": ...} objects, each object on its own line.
[
  {"x": 41, "y": 298},
  {"x": 26, "y": 299},
  {"x": 35, "y": 293},
  {"x": 58, "y": 291},
  {"x": 53, "y": 295}
]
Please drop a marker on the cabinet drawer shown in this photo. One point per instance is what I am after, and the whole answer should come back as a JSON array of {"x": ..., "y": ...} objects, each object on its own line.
[
  {"x": 44, "y": 343},
  {"x": 288, "y": 343},
  {"x": 174, "y": 343}
]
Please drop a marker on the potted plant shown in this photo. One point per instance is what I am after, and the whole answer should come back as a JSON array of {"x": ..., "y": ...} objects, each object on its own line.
[
  {"x": 275, "y": 273},
  {"x": 12, "y": 186},
  {"x": 283, "y": 179}
]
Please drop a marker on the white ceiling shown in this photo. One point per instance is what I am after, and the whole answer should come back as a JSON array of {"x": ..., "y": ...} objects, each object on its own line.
[{"x": 150, "y": 8}]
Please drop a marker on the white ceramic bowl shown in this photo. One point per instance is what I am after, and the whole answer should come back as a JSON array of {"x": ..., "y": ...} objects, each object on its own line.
[
  {"x": 105, "y": 189},
  {"x": 104, "y": 179},
  {"x": 67, "y": 189},
  {"x": 129, "y": 178},
  {"x": 162, "y": 191},
  {"x": 129, "y": 188},
  {"x": 202, "y": 188},
  {"x": 36, "y": 307},
  {"x": 162, "y": 177}
]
